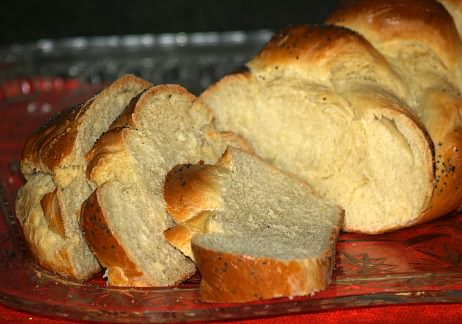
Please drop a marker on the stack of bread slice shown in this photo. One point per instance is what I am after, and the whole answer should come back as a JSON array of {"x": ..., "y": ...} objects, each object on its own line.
[
  {"x": 125, "y": 201},
  {"x": 124, "y": 218},
  {"x": 54, "y": 165}
]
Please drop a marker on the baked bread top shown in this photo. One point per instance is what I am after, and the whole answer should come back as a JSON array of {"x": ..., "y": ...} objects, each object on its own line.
[{"x": 391, "y": 25}]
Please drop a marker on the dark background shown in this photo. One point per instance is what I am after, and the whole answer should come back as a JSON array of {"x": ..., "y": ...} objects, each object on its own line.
[{"x": 24, "y": 21}]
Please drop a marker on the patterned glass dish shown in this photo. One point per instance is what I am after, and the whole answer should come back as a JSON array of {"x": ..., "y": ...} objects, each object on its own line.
[{"x": 417, "y": 265}]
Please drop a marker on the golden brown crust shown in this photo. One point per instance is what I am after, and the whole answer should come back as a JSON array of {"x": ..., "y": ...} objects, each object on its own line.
[
  {"x": 52, "y": 213},
  {"x": 190, "y": 193},
  {"x": 190, "y": 189},
  {"x": 329, "y": 54},
  {"x": 308, "y": 46},
  {"x": 235, "y": 278},
  {"x": 181, "y": 234},
  {"x": 61, "y": 264},
  {"x": 384, "y": 20},
  {"x": 227, "y": 277},
  {"x": 108, "y": 144},
  {"x": 49, "y": 147},
  {"x": 105, "y": 245},
  {"x": 446, "y": 130}
]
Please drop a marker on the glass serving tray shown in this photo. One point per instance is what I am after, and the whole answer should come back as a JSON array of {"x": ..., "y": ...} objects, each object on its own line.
[{"x": 417, "y": 265}]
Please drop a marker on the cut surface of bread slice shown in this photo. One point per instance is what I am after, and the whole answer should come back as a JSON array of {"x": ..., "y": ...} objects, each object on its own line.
[
  {"x": 53, "y": 163},
  {"x": 421, "y": 43},
  {"x": 323, "y": 104},
  {"x": 254, "y": 231},
  {"x": 125, "y": 216}
]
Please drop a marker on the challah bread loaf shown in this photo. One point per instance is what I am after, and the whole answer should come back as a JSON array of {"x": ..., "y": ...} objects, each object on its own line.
[
  {"x": 322, "y": 103},
  {"x": 256, "y": 232},
  {"x": 124, "y": 218},
  {"x": 53, "y": 164},
  {"x": 421, "y": 43}
]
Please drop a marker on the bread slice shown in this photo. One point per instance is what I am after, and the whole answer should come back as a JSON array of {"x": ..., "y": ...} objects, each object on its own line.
[
  {"x": 125, "y": 216},
  {"x": 53, "y": 163},
  {"x": 421, "y": 43},
  {"x": 256, "y": 232},
  {"x": 320, "y": 102}
]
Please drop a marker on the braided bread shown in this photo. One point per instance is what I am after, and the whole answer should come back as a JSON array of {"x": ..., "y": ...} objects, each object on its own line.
[{"x": 366, "y": 109}]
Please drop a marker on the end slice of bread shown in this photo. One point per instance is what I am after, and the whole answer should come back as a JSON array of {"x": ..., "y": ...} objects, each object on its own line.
[
  {"x": 125, "y": 217},
  {"x": 255, "y": 232},
  {"x": 429, "y": 63},
  {"x": 53, "y": 163}
]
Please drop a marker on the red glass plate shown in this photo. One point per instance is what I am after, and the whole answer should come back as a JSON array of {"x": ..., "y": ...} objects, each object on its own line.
[{"x": 417, "y": 265}]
